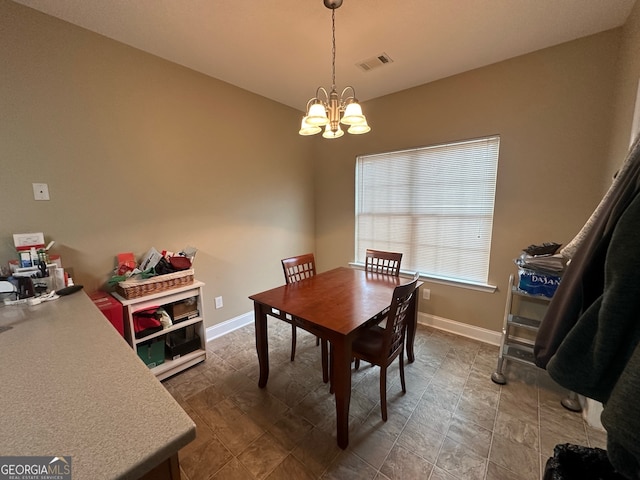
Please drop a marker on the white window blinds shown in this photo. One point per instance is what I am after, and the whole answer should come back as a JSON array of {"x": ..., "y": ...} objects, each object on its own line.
[{"x": 434, "y": 204}]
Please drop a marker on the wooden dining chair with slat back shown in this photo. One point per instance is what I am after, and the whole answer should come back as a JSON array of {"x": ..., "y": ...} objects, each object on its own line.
[
  {"x": 379, "y": 261},
  {"x": 382, "y": 345},
  {"x": 296, "y": 269},
  {"x": 386, "y": 263}
]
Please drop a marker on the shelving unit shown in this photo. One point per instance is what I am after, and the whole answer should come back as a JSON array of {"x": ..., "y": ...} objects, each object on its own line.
[
  {"x": 518, "y": 349},
  {"x": 170, "y": 366}
]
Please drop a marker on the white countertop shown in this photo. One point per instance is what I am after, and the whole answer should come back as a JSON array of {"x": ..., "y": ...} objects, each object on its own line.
[{"x": 70, "y": 385}]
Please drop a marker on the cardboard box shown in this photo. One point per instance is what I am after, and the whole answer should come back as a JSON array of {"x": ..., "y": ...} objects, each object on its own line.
[
  {"x": 110, "y": 308},
  {"x": 26, "y": 241},
  {"x": 183, "y": 310},
  {"x": 152, "y": 353},
  {"x": 181, "y": 342},
  {"x": 150, "y": 260}
]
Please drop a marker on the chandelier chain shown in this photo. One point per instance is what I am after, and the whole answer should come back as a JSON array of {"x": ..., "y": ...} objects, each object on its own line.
[{"x": 333, "y": 49}]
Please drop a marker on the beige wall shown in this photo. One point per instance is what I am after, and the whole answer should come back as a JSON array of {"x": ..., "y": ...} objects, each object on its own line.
[
  {"x": 140, "y": 152},
  {"x": 625, "y": 91},
  {"x": 552, "y": 109}
]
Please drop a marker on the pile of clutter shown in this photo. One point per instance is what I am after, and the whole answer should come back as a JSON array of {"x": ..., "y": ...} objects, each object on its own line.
[
  {"x": 540, "y": 269},
  {"x": 34, "y": 272},
  {"x": 153, "y": 263}
]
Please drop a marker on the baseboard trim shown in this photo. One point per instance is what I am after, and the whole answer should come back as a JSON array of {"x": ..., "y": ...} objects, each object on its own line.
[
  {"x": 470, "y": 331},
  {"x": 228, "y": 326},
  {"x": 476, "y": 333}
]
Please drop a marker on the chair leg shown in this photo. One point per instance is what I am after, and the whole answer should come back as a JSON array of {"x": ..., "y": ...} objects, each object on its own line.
[
  {"x": 383, "y": 392},
  {"x": 357, "y": 365},
  {"x": 293, "y": 341},
  {"x": 404, "y": 386},
  {"x": 331, "y": 368},
  {"x": 317, "y": 341},
  {"x": 325, "y": 361}
]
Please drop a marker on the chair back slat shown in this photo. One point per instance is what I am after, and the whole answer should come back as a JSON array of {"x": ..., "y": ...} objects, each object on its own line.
[
  {"x": 379, "y": 261},
  {"x": 397, "y": 317},
  {"x": 299, "y": 267}
]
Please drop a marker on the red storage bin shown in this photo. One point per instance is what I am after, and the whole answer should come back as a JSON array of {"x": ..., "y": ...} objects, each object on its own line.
[{"x": 111, "y": 308}]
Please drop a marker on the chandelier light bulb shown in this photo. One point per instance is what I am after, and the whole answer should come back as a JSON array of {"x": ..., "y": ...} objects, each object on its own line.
[
  {"x": 317, "y": 115},
  {"x": 328, "y": 133},
  {"x": 360, "y": 128},
  {"x": 353, "y": 114},
  {"x": 307, "y": 129}
]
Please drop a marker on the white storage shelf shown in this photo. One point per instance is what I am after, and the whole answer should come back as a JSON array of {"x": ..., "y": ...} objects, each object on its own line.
[
  {"x": 170, "y": 366},
  {"x": 518, "y": 349}
]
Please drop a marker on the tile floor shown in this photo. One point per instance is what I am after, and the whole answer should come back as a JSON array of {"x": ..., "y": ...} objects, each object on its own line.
[{"x": 453, "y": 422}]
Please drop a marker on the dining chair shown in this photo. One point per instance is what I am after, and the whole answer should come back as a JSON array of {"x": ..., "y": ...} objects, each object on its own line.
[
  {"x": 387, "y": 263},
  {"x": 296, "y": 269},
  {"x": 382, "y": 345},
  {"x": 379, "y": 261}
]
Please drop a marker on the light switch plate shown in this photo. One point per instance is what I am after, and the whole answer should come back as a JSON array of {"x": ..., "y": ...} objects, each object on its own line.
[{"x": 40, "y": 191}]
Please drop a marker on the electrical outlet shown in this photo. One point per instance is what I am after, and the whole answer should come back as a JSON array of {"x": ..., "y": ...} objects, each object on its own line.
[
  {"x": 219, "y": 303},
  {"x": 426, "y": 293},
  {"x": 40, "y": 191}
]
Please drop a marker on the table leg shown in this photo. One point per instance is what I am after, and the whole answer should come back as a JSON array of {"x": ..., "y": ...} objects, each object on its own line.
[
  {"x": 412, "y": 322},
  {"x": 341, "y": 381},
  {"x": 261, "y": 343}
]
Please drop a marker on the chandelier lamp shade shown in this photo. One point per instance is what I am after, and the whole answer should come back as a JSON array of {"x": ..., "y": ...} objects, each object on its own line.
[{"x": 329, "y": 110}]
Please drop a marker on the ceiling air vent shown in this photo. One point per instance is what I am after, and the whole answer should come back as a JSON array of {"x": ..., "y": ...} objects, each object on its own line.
[{"x": 375, "y": 62}]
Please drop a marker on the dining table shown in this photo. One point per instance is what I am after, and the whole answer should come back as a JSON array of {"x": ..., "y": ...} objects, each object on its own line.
[{"x": 333, "y": 305}]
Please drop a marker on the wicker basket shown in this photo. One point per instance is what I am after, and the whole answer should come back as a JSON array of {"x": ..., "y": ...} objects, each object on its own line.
[{"x": 134, "y": 288}]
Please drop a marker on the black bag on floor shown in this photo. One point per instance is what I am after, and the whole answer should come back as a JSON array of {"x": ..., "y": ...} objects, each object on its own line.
[{"x": 575, "y": 462}]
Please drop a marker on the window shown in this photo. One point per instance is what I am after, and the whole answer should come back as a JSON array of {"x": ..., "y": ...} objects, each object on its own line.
[{"x": 434, "y": 204}]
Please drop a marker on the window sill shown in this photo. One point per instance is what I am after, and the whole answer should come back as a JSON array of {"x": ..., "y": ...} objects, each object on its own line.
[{"x": 479, "y": 287}]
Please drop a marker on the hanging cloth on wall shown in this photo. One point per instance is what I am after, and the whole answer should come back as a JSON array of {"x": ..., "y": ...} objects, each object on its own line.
[
  {"x": 600, "y": 356},
  {"x": 583, "y": 280},
  {"x": 589, "y": 339}
]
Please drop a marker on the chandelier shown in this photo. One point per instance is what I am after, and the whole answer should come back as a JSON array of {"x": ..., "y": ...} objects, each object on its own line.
[{"x": 330, "y": 110}]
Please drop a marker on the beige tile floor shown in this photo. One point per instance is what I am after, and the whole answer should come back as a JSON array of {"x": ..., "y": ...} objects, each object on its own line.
[{"x": 453, "y": 422}]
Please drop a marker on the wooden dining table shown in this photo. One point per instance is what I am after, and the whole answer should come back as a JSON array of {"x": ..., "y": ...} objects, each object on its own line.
[{"x": 332, "y": 305}]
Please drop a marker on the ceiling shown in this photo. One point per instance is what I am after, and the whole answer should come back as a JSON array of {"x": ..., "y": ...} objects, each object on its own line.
[{"x": 282, "y": 49}]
